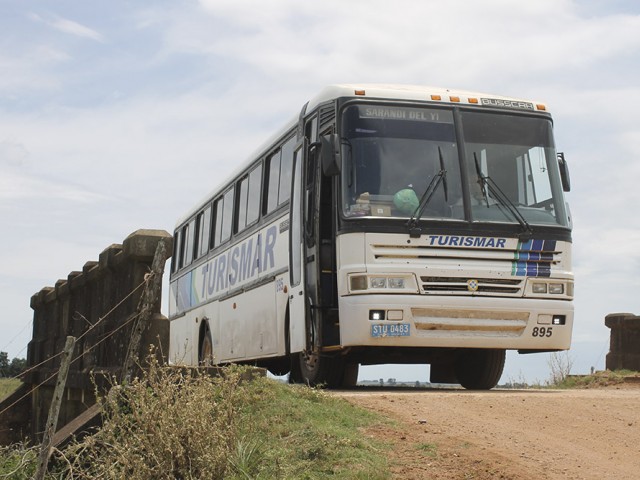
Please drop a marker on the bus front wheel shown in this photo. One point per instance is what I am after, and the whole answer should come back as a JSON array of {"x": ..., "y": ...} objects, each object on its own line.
[
  {"x": 314, "y": 369},
  {"x": 479, "y": 369}
]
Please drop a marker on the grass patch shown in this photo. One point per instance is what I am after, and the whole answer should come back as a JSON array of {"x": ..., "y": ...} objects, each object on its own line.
[
  {"x": 428, "y": 449},
  {"x": 183, "y": 424},
  {"x": 18, "y": 462},
  {"x": 602, "y": 379},
  {"x": 295, "y": 431},
  {"x": 8, "y": 386}
]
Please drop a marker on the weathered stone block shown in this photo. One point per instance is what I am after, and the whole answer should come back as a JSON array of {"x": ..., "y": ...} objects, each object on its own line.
[
  {"x": 142, "y": 244},
  {"x": 624, "y": 341}
]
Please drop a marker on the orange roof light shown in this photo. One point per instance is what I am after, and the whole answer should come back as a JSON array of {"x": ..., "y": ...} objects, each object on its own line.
[
  {"x": 436, "y": 97},
  {"x": 473, "y": 100},
  {"x": 454, "y": 99},
  {"x": 359, "y": 92},
  {"x": 542, "y": 107}
]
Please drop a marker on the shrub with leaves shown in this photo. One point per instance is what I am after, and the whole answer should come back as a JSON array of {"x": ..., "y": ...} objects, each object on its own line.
[{"x": 18, "y": 462}]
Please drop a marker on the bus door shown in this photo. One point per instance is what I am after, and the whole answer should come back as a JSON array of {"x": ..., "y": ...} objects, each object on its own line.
[{"x": 297, "y": 305}]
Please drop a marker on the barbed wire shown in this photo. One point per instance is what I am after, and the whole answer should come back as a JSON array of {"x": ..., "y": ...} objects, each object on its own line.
[
  {"x": 132, "y": 318},
  {"x": 4, "y": 349}
]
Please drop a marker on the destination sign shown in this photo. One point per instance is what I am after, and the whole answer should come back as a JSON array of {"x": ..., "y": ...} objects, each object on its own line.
[{"x": 410, "y": 114}]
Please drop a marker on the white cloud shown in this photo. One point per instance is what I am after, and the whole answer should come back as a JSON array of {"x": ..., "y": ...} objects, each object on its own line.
[
  {"x": 12, "y": 153},
  {"x": 68, "y": 26},
  {"x": 14, "y": 186}
]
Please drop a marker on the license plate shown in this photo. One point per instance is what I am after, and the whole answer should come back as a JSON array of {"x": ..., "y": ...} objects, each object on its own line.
[{"x": 391, "y": 330}]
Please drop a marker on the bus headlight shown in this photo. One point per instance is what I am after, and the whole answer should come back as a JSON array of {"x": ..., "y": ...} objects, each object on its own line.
[
  {"x": 395, "y": 283},
  {"x": 539, "y": 288},
  {"x": 556, "y": 288},
  {"x": 549, "y": 288}
]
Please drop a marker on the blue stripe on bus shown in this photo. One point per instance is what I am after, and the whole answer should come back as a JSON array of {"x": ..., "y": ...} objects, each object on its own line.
[{"x": 533, "y": 258}]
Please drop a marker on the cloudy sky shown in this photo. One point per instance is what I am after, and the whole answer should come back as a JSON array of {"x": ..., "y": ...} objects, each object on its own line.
[{"x": 120, "y": 115}]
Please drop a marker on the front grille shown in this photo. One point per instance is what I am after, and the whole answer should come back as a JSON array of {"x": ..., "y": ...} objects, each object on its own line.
[
  {"x": 446, "y": 264},
  {"x": 460, "y": 286}
]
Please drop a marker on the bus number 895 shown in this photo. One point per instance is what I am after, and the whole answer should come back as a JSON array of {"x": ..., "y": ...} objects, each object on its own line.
[{"x": 542, "y": 332}]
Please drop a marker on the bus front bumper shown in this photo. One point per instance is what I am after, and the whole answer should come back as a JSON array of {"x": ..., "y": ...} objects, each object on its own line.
[{"x": 465, "y": 322}]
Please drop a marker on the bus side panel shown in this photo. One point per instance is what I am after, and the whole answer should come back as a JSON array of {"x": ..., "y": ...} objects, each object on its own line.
[
  {"x": 248, "y": 325},
  {"x": 181, "y": 344}
]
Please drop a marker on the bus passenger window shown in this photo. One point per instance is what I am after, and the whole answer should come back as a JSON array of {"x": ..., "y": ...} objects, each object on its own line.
[
  {"x": 285, "y": 170},
  {"x": 177, "y": 248},
  {"x": 243, "y": 192},
  {"x": 227, "y": 216},
  {"x": 203, "y": 227},
  {"x": 253, "y": 200},
  {"x": 186, "y": 245},
  {"x": 218, "y": 210},
  {"x": 273, "y": 182}
]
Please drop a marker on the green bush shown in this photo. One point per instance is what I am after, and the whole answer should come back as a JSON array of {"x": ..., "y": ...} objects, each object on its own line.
[{"x": 18, "y": 462}]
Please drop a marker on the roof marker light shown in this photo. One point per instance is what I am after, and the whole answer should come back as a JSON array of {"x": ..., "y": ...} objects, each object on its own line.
[
  {"x": 359, "y": 92},
  {"x": 454, "y": 99},
  {"x": 473, "y": 100},
  {"x": 436, "y": 97},
  {"x": 542, "y": 107}
]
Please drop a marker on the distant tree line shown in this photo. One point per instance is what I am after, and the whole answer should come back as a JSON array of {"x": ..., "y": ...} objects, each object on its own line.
[{"x": 11, "y": 368}]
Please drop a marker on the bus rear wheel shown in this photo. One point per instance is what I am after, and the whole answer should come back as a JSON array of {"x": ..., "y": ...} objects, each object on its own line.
[
  {"x": 205, "y": 353},
  {"x": 479, "y": 369}
]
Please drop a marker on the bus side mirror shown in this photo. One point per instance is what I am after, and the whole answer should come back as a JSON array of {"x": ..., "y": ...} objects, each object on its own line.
[
  {"x": 330, "y": 154},
  {"x": 564, "y": 173}
]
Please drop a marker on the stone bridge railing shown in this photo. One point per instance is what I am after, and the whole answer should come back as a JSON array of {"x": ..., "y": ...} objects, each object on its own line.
[
  {"x": 624, "y": 341},
  {"x": 99, "y": 306}
]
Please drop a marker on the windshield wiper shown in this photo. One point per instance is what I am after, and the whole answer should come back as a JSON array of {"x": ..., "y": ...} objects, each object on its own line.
[
  {"x": 441, "y": 177},
  {"x": 487, "y": 183}
]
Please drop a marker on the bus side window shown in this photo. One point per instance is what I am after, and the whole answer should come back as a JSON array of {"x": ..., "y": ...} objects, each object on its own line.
[
  {"x": 203, "y": 227},
  {"x": 272, "y": 182},
  {"x": 253, "y": 200},
  {"x": 177, "y": 248},
  {"x": 187, "y": 243},
  {"x": 286, "y": 164},
  {"x": 241, "y": 203},
  {"x": 217, "y": 225},
  {"x": 248, "y": 201},
  {"x": 223, "y": 222},
  {"x": 183, "y": 247}
]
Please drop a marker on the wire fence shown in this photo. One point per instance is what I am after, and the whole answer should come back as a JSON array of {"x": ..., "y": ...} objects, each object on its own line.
[
  {"x": 122, "y": 325},
  {"x": 105, "y": 307}
]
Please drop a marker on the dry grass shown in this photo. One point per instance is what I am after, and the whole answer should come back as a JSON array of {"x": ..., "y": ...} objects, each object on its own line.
[
  {"x": 8, "y": 386},
  {"x": 170, "y": 424},
  {"x": 183, "y": 424}
]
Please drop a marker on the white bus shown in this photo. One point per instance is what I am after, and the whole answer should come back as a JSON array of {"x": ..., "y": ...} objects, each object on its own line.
[{"x": 385, "y": 224}]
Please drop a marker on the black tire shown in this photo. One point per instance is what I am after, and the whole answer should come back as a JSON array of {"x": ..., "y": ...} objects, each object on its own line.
[
  {"x": 479, "y": 369},
  {"x": 205, "y": 351},
  {"x": 316, "y": 370},
  {"x": 350, "y": 376}
]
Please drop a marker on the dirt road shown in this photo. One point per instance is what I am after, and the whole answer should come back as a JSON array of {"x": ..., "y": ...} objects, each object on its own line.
[{"x": 523, "y": 434}]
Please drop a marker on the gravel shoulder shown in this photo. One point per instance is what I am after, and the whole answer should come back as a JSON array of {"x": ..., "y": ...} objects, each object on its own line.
[{"x": 511, "y": 434}]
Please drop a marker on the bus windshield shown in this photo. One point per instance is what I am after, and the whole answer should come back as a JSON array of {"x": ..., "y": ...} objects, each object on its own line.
[{"x": 392, "y": 155}]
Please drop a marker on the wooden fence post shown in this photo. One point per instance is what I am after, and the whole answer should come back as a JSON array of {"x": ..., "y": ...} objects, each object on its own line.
[{"x": 54, "y": 409}]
